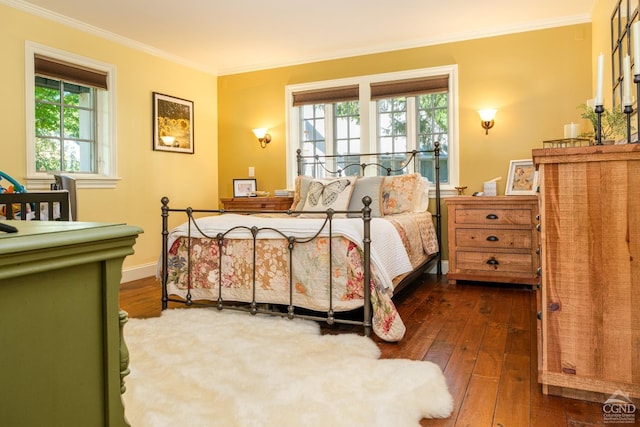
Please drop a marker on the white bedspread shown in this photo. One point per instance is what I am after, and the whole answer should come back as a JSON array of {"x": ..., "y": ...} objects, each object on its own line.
[{"x": 387, "y": 250}]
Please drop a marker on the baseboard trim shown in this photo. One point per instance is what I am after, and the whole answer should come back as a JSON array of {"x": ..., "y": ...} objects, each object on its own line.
[
  {"x": 445, "y": 267},
  {"x": 139, "y": 272}
]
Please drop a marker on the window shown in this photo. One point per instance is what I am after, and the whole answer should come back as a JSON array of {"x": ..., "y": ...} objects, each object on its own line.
[
  {"x": 65, "y": 116},
  {"x": 379, "y": 113},
  {"x": 70, "y": 118}
]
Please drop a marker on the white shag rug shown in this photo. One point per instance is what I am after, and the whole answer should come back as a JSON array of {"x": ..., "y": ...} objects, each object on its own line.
[{"x": 202, "y": 367}]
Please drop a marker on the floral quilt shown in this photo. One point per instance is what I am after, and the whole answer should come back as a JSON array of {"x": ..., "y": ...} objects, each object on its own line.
[{"x": 313, "y": 278}]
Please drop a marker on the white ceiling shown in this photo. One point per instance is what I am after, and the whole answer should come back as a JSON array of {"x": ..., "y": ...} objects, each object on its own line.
[{"x": 229, "y": 36}]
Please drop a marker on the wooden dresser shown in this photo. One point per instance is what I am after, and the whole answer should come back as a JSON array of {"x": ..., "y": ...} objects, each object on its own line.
[
  {"x": 257, "y": 203},
  {"x": 60, "y": 360},
  {"x": 493, "y": 239},
  {"x": 589, "y": 302}
]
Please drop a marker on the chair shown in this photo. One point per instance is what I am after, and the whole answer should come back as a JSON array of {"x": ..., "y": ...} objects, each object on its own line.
[
  {"x": 65, "y": 182},
  {"x": 27, "y": 206}
]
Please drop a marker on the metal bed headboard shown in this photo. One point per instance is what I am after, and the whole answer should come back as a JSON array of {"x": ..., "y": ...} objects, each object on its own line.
[{"x": 319, "y": 162}]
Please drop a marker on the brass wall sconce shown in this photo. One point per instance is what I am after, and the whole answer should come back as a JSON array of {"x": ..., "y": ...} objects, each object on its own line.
[
  {"x": 263, "y": 137},
  {"x": 486, "y": 117}
]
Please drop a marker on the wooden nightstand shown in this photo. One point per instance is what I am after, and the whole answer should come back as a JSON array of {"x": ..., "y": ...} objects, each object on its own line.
[
  {"x": 493, "y": 239},
  {"x": 257, "y": 203}
]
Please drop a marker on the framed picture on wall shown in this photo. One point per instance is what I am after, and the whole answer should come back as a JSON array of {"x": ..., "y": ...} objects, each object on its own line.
[
  {"x": 172, "y": 124},
  {"x": 244, "y": 187},
  {"x": 522, "y": 178}
]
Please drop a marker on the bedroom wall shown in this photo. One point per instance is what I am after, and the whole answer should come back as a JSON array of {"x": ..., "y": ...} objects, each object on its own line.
[
  {"x": 536, "y": 80},
  {"x": 146, "y": 175}
]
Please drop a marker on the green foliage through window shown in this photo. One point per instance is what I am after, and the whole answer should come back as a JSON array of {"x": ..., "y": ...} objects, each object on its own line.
[{"x": 64, "y": 126}]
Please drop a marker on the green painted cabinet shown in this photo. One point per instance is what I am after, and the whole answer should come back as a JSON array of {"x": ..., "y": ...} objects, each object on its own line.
[{"x": 59, "y": 323}]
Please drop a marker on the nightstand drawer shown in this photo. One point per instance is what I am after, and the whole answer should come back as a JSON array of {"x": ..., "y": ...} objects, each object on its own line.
[
  {"x": 493, "y": 216},
  {"x": 494, "y": 262},
  {"x": 496, "y": 238},
  {"x": 257, "y": 203}
]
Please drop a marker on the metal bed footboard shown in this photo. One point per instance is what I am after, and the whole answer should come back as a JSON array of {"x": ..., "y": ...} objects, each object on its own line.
[{"x": 256, "y": 306}]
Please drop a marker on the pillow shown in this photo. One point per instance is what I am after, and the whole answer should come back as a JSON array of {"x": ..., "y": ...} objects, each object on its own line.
[
  {"x": 326, "y": 194},
  {"x": 399, "y": 193},
  {"x": 300, "y": 193},
  {"x": 421, "y": 203},
  {"x": 368, "y": 186}
]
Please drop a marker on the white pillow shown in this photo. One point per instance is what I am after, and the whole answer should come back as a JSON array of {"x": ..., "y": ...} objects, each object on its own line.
[
  {"x": 326, "y": 194},
  {"x": 421, "y": 202}
]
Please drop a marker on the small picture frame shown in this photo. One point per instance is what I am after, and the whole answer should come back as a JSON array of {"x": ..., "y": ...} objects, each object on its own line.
[
  {"x": 522, "y": 178},
  {"x": 245, "y": 187},
  {"x": 172, "y": 124}
]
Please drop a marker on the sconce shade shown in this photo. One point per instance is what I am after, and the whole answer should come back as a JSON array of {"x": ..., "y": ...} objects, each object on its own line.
[
  {"x": 486, "y": 117},
  {"x": 260, "y": 132},
  {"x": 263, "y": 137}
]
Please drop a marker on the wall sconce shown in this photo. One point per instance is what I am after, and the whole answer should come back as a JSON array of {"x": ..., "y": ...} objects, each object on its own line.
[
  {"x": 487, "y": 117},
  {"x": 263, "y": 136}
]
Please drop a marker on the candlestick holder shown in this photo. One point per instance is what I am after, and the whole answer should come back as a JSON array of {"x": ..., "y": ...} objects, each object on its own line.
[
  {"x": 636, "y": 80},
  {"x": 628, "y": 109},
  {"x": 599, "y": 110}
]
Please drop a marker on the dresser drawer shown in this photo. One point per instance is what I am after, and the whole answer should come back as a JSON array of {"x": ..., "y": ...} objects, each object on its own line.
[
  {"x": 490, "y": 216},
  {"x": 494, "y": 262},
  {"x": 496, "y": 238}
]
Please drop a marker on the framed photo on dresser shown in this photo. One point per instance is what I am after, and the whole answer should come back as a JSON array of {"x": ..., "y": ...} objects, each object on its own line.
[
  {"x": 522, "y": 178},
  {"x": 244, "y": 187}
]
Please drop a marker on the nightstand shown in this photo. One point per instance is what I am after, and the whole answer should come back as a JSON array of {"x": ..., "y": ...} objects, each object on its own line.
[
  {"x": 493, "y": 239},
  {"x": 249, "y": 204}
]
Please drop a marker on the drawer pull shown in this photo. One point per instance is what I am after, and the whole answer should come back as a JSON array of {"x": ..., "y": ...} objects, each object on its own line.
[
  {"x": 493, "y": 261},
  {"x": 492, "y": 238},
  {"x": 492, "y": 216}
]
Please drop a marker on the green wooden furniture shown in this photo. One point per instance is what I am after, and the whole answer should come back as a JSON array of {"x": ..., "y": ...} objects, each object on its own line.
[{"x": 60, "y": 362}]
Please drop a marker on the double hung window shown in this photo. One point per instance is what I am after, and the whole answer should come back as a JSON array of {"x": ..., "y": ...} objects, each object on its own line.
[
  {"x": 70, "y": 118},
  {"x": 387, "y": 113}
]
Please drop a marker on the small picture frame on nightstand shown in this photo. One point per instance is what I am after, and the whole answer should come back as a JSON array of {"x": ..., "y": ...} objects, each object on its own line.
[
  {"x": 244, "y": 187},
  {"x": 522, "y": 178}
]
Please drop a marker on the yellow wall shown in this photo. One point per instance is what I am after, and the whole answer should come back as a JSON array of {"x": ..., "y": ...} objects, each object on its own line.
[
  {"x": 146, "y": 175},
  {"x": 536, "y": 80}
]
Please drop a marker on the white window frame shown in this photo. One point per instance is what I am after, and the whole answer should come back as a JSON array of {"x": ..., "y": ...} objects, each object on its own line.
[
  {"x": 369, "y": 117},
  {"x": 106, "y": 154}
]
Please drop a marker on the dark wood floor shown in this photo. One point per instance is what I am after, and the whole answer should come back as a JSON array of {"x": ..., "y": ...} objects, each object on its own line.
[{"x": 483, "y": 336}]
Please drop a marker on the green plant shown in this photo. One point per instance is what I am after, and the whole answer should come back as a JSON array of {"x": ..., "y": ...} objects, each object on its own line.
[{"x": 613, "y": 123}]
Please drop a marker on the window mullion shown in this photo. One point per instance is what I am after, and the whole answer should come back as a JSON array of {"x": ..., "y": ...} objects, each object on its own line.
[
  {"x": 329, "y": 137},
  {"x": 412, "y": 123}
]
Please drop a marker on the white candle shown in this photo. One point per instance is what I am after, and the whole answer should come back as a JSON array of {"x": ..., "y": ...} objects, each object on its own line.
[
  {"x": 626, "y": 81},
  {"x": 571, "y": 130},
  {"x": 635, "y": 37},
  {"x": 599, "y": 79}
]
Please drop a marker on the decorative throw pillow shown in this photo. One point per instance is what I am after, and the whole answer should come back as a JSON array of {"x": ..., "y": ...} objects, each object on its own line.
[
  {"x": 367, "y": 186},
  {"x": 326, "y": 194},
  {"x": 300, "y": 193},
  {"x": 421, "y": 203},
  {"x": 399, "y": 193}
]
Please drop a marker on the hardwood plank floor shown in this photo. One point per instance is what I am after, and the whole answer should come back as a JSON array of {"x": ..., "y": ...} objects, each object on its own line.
[{"x": 483, "y": 336}]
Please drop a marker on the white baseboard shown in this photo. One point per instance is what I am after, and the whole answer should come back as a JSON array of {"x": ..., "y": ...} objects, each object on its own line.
[
  {"x": 149, "y": 270},
  {"x": 139, "y": 272},
  {"x": 445, "y": 267}
]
